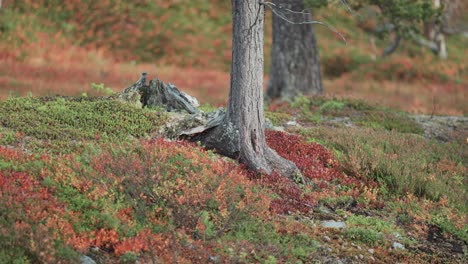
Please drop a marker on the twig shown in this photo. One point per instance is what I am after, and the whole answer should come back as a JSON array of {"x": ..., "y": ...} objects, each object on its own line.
[{"x": 273, "y": 7}]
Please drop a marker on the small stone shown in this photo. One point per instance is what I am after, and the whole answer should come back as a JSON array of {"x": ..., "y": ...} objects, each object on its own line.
[
  {"x": 86, "y": 260},
  {"x": 371, "y": 251},
  {"x": 333, "y": 224},
  {"x": 372, "y": 259},
  {"x": 338, "y": 261},
  {"x": 292, "y": 123},
  {"x": 397, "y": 245},
  {"x": 213, "y": 259},
  {"x": 361, "y": 256},
  {"x": 329, "y": 250},
  {"x": 397, "y": 235},
  {"x": 326, "y": 239},
  {"x": 323, "y": 210},
  {"x": 358, "y": 247},
  {"x": 356, "y": 257}
]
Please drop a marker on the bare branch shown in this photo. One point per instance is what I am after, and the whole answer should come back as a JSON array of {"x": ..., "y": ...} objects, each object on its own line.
[
  {"x": 393, "y": 47},
  {"x": 276, "y": 9}
]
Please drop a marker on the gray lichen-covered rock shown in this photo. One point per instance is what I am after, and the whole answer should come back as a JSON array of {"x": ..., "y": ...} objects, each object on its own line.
[
  {"x": 333, "y": 224},
  {"x": 86, "y": 260},
  {"x": 442, "y": 128},
  {"x": 396, "y": 245},
  {"x": 178, "y": 122},
  {"x": 131, "y": 97}
]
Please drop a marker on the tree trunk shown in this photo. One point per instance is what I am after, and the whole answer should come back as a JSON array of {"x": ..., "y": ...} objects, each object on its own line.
[
  {"x": 433, "y": 31},
  {"x": 295, "y": 65},
  {"x": 241, "y": 135}
]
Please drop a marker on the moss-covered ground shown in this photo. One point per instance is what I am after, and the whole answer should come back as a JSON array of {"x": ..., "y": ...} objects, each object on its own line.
[{"x": 89, "y": 176}]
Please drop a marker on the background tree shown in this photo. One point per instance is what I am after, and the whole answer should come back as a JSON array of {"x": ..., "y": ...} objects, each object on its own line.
[
  {"x": 295, "y": 64},
  {"x": 403, "y": 18}
]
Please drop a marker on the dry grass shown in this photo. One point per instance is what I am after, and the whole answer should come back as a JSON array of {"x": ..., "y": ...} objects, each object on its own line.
[
  {"x": 59, "y": 67},
  {"x": 54, "y": 76},
  {"x": 419, "y": 97}
]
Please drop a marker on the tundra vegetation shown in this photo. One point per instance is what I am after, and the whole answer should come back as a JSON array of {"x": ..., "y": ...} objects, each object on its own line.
[{"x": 93, "y": 175}]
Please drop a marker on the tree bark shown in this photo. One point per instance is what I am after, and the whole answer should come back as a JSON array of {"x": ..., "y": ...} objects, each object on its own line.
[
  {"x": 241, "y": 135},
  {"x": 295, "y": 64}
]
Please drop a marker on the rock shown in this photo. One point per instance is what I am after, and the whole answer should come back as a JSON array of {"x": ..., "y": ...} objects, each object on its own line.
[
  {"x": 442, "y": 128},
  {"x": 371, "y": 251},
  {"x": 397, "y": 235},
  {"x": 86, "y": 260},
  {"x": 326, "y": 239},
  {"x": 185, "y": 125},
  {"x": 214, "y": 259},
  {"x": 397, "y": 245},
  {"x": 333, "y": 224},
  {"x": 372, "y": 259},
  {"x": 293, "y": 123},
  {"x": 131, "y": 97},
  {"x": 341, "y": 120},
  {"x": 361, "y": 256},
  {"x": 324, "y": 210}
]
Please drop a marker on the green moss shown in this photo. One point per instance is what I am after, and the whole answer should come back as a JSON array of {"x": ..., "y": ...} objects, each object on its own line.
[
  {"x": 359, "y": 112},
  {"x": 337, "y": 202},
  {"x": 66, "y": 121},
  {"x": 389, "y": 120},
  {"x": 7, "y": 136},
  {"x": 402, "y": 163},
  {"x": 374, "y": 223},
  {"x": 277, "y": 118},
  {"x": 207, "y": 108},
  {"x": 365, "y": 235},
  {"x": 265, "y": 236}
]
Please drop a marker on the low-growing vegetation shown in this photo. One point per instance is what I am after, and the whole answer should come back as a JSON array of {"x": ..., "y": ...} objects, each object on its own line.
[
  {"x": 94, "y": 176},
  {"x": 54, "y": 123},
  {"x": 130, "y": 195}
]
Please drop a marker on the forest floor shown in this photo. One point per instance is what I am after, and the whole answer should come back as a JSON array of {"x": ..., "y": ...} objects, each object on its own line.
[{"x": 84, "y": 179}]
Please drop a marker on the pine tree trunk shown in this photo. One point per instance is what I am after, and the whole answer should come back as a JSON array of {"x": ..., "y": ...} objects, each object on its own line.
[
  {"x": 295, "y": 64},
  {"x": 241, "y": 135}
]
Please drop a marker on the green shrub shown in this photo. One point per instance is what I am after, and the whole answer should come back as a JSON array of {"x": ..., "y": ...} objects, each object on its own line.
[
  {"x": 343, "y": 62},
  {"x": 402, "y": 163},
  {"x": 365, "y": 235},
  {"x": 67, "y": 121},
  {"x": 373, "y": 223},
  {"x": 277, "y": 118},
  {"x": 359, "y": 112}
]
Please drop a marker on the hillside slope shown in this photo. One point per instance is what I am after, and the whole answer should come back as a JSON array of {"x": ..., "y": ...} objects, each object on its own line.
[
  {"x": 48, "y": 47},
  {"x": 92, "y": 177}
]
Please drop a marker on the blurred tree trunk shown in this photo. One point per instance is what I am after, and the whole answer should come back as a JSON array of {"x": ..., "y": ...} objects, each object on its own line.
[
  {"x": 241, "y": 135},
  {"x": 295, "y": 64}
]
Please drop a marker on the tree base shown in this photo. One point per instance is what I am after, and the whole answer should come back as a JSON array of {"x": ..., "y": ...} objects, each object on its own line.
[
  {"x": 212, "y": 129},
  {"x": 224, "y": 139}
]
